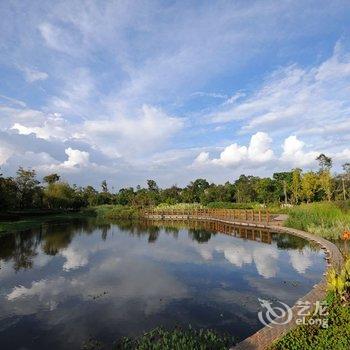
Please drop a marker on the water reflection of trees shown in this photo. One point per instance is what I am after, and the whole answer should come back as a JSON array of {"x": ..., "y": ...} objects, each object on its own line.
[
  {"x": 203, "y": 231},
  {"x": 200, "y": 235},
  {"x": 285, "y": 241},
  {"x": 22, "y": 247}
]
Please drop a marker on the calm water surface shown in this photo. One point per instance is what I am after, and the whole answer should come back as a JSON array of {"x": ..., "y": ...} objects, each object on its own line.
[{"x": 64, "y": 283}]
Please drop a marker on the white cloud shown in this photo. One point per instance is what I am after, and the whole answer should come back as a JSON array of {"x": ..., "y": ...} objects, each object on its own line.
[
  {"x": 77, "y": 161},
  {"x": 33, "y": 75},
  {"x": 5, "y": 154},
  {"x": 238, "y": 255},
  {"x": 43, "y": 289},
  {"x": 125, "y": 135},
  {"x": 259, "y": 148},
  {"x": 202, "y": 158},
  {"x": 209, "y": 94},
  {"x": 300, "y": 261},
  {"x": 294, "y": 154},
  {"x": 76, "y": 158},
  {"x": 302, "y": 100},
  {"x": 264, "y": 257},
  {"x": 58, "y": 38},
  {"x": 106, "y": 62},
  {"x": 74, "y": 258},
  {"x": 344, "y": 155},
  {"x": 232, "y": 155},
  {"x": 53, "y": 127},
  {"x": 257, "y": 152}
]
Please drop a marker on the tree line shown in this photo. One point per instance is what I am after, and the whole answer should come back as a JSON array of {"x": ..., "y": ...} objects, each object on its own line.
[{"x": 25, "y": 191}]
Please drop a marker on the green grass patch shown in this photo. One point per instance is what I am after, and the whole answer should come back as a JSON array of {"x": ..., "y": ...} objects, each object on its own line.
[
  {"x": 161, "y": 339},
  {"x": 327, "y": 220}
]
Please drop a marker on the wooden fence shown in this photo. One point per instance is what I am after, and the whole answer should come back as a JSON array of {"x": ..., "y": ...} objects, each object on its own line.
[
  {"x": 244, "y": 215},
  {"x": 251, "y": 233}
]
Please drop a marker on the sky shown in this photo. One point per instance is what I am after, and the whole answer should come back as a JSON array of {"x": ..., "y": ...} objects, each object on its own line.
[{"x": 173, "y": 90}]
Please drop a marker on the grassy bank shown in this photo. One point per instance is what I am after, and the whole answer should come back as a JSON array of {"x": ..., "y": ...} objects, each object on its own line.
[
  {"x": 314, "y": 337},
  {"x": 337, "y": 318},
  {"x": 162, "y": 339},
  {"x": 328, "y": 220},
  {"x": 27, "y": 221}
]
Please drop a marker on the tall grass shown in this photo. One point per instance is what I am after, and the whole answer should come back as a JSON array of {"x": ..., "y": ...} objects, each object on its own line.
[
  {"x": 164, "y": 206},
  {"x": 116, "y": 212},
  {"x": 327, "y": 220},
  {"x": 230, "y": 205}
]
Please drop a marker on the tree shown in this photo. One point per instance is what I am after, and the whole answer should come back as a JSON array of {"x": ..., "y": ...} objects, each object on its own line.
[
  {"x": 218, "y": 193},
  {"x": 345, "y": 178},
  {"x": 346, "y": 168},
  {"x": 195, "y": 190},
  {"x": 29, "y": 192},
  {"x": 326, "y": 183},
  {"x": 266, "y": 190},
  {"x": 325, "y": 163},
  {"x": 325, "y": 178},
  {"x": 90, "y": 195},
  {"x": 59, "y": 195},
  {"x": 104, "y": 186},
  {"x": 152, "y": 186},
  {"x": 8, "y": 193},
  {"x": 51, "y": 179},
  {"x": 296, "y": 185},
  {"x": 125, "y": 196},
  {"x": 171, "y": 195},
  {"x": 284, "y": 181},
  {"x": 245, "y": 189},
  {"x": 309, "y": 185}
]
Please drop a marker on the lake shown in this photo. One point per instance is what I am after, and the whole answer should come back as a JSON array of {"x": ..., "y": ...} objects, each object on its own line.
[{"x": 67, "y": 282}]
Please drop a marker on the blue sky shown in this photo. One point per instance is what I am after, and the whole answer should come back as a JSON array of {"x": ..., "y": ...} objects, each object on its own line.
[{"x": 173, "y": 90}]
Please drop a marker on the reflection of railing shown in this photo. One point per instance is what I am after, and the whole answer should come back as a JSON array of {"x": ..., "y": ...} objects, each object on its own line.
[
  {"x": 253, "y": 234},
  {"x": 243, "y": 215}
]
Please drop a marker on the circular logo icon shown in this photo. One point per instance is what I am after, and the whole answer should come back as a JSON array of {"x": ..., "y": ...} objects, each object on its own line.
[{"x": 274, "y": 315}]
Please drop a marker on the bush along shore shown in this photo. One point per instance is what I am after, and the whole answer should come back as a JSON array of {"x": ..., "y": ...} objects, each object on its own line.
[{"x": 24, "y": 220}]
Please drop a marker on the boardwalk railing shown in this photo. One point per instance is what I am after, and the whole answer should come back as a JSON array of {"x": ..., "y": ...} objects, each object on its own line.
[
  {"x": 250, "y": 233},
  {"x": 244, "y": 215}
]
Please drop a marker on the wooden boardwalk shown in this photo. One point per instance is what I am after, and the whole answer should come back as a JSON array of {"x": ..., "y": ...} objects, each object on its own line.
[{"x": 262, "y": 216}]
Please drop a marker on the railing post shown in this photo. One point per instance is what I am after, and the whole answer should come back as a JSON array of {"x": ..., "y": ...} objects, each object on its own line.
[
  {"x": 259, "y": 215},
  {"x": 267, "y": 216}
]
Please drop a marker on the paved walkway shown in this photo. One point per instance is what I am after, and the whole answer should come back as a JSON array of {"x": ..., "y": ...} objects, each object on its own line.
[{"x": 264, "y": 337}]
